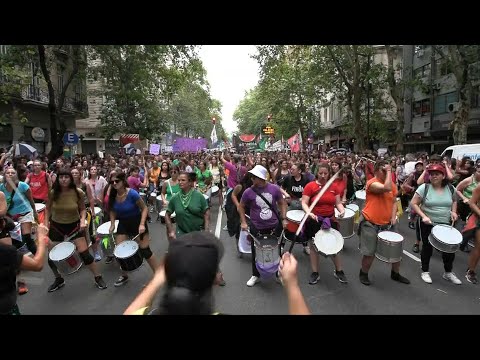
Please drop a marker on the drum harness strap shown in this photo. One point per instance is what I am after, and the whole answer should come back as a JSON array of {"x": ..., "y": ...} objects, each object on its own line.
[
  {"x": 271, "y": 207},
  {"x": 67, "y": 237}
]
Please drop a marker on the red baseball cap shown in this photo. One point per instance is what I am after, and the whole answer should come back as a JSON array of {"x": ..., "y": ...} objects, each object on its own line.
[{"x": 437, "y": 167}]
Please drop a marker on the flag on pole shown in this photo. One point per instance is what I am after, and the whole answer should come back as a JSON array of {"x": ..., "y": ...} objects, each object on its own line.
[
  {"x": 213, "y": 136},
  {"x": 294, "y": 143}
]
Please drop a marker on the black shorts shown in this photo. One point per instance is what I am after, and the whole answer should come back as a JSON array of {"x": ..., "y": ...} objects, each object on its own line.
[
  {"x": 58, "y": 231},
  {"x": 129, "y": 226},
  {"x": 311, "y": 227}
]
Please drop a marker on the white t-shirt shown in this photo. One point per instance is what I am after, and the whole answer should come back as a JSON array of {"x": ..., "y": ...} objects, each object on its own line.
[{"x": 410, "y": 167}]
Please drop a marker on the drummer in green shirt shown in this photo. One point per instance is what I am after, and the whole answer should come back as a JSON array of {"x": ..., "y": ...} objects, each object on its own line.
[{"x": 204, "y": 179}]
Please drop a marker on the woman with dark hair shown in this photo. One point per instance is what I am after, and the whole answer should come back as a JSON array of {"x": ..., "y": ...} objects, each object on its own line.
[
  {"x": 128, "y": 208},
  {"x": 97, "y": 184},
  {"x": 66, "y": 214},
  {"x": 171, "y": 186},
  {"x": 133, "y": 179},
  {"x": 190, "y": 272}
]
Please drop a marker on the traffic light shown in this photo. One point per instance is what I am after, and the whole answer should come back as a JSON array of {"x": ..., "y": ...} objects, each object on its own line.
[{"x": 213, "y": 120}]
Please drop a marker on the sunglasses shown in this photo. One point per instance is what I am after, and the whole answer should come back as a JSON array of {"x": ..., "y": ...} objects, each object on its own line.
[{"x": 114, "y": 181}]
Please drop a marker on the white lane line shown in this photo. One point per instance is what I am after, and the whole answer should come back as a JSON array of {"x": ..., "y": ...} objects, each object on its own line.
[
  {"x": 442, "y": 291},
  {"x": 219, "y": 223},
  {"x": 411, "y": 256}
]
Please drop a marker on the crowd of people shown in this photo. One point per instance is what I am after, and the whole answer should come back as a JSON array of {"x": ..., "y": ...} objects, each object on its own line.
[{"x": 59, "y": 201}]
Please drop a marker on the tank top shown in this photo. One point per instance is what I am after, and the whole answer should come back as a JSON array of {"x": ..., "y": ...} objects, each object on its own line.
[
  {"x": 171, "y": 190},
  {"x": 468, "y": 191}
]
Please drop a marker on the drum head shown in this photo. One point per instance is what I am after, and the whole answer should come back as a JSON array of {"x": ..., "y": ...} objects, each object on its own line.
[
  {"x": 295, "y": 215},
  {"x": 390, "y": 236},
  {"x": 61, "y": 251},
  {"x": 349, "y": 213},
  {"x": 103, "y": 229},
  {"x": 39, "y": 207},
  {"x": 328, "y": 242},
  {"x": 125, "y": 249},
  {"x": 353, "y": 207},
  {"x": 97, "y": 210},
  {"x": 447, "y": 234},
  {"x": 361, "y": 194}
]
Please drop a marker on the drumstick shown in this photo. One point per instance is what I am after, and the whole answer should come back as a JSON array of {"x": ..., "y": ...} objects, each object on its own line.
[{"x": 327, "y": 185}]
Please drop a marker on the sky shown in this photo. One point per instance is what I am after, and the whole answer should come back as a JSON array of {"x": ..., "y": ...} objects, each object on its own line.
[{"x": 231, "y": 72}]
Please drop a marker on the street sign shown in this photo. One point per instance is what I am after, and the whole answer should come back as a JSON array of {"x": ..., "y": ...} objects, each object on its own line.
[{"x": 70, "y": 139}]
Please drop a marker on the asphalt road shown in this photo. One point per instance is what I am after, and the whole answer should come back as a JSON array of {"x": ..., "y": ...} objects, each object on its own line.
[{"x": 329, "y": 296}]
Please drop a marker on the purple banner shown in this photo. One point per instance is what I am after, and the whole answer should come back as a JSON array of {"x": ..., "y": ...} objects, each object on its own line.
[{"x": 187, "y": 144}]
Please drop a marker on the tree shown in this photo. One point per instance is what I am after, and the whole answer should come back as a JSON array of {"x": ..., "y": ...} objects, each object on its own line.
[
  {"x": 140, "y": 83},
  {"x": 463, "y": 60}
]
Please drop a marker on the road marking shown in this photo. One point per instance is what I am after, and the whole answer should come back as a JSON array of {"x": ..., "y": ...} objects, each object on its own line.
[
  {"x": 411, "y": 256},
  {"x": 442, "y": 291},
  {"x": 219, "y": 223}
]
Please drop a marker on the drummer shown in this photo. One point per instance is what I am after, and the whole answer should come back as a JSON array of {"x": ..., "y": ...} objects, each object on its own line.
[
  {"x": 126, "y": 206},
  {"x": 322, "y": 217},
  {"x": 66, "y": 213},
  {"x": 379, "y": 214},
  {"x": 39, "y": 182},
  {"x": 294, "y": 186},
  {"x": 204, "y": 179},
  {"x": 435, "y": 203},
  {"x": 171, "y": 186}
]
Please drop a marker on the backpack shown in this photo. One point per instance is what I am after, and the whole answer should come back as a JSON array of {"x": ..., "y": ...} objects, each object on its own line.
[{"x": 450, "y": 187}]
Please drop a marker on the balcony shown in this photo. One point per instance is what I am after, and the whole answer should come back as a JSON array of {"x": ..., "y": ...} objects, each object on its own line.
[{"x": 39, "y": 95}]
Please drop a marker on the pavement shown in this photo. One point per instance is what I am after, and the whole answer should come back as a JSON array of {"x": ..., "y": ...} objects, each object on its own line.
[{"x": 328, "y": 296}]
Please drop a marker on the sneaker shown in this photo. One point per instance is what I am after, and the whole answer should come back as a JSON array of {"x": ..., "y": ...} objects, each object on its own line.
[
  {"x": 98, "y": 257},
  {"x": 426, "y": 277},
  {"x": 416, "y": 248},
  {"x": 22, "y": 288},
  {"x": 121, "y": 280},
  {"x": 364, "y": 278},
  {"x": 100, "y": 283},
  {"x": 340, "y": 276},
  {"x": 306, "y": 250},
  {"x": 450, "y": 276},
  {"x": 221, "y": 281},
  {"x": 253, "y": 280},
  {"x": 411, "y": 225},
  {"x": 151, "y": 209},
  {"x": 471, "y": 276},
  {"x": 57, "y": 284},
  {"x": 108, "y": 260},
  {"x": 397, "y": 277},
  {"x": 314, "y": 278}
]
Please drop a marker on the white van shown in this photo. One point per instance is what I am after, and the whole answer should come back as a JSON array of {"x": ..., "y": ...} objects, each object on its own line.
[{"x": 459, "y": 151}]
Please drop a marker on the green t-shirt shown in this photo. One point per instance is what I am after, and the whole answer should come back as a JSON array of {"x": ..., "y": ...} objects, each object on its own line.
[
  {"x": 202, "y": 176},
  {"x": 171, "y": 190},
  {"x": 191, "y": 218},
  {"x": 437, "y": 205}
]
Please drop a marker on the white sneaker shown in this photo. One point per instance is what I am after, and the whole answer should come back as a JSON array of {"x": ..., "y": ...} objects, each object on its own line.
[
  {"x": 306, "y": 250},
  {"x": 253, "y": 280},
  {"x": 450, "y": 276},
  {"x": 426, "y": 277}
]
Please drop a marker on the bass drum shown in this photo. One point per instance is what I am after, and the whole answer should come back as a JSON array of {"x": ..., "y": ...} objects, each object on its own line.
[
  {"x": 128, "y": 255},
  {"x": 389, "y": 246}
]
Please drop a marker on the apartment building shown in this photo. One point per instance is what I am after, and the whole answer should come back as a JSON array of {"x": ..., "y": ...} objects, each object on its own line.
[{"x": 29, "y": 118}]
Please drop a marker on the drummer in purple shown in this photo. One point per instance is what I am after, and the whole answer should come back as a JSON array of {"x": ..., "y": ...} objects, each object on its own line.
[
  {"x": 435, "y": 203},
  {"x": 265, "y": 218}
]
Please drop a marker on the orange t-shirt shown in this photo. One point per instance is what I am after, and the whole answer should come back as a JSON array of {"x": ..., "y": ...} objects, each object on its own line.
[{"x": 378, "y": 207}]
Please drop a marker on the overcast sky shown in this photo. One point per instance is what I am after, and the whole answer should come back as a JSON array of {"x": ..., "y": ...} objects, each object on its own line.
[{"x": 231, "y": 72}]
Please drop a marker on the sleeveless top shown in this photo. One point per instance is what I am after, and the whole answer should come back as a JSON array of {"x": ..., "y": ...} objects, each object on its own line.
[{"x": 468, "y": 191}]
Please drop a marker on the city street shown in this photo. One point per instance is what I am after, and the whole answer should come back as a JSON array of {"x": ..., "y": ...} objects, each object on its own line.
[{"x": 383, "y": 296}]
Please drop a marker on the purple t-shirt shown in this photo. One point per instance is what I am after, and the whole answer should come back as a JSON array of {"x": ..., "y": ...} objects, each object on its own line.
[
  {"x": 134, "y": 183},
  {"x": 232, "y": 179},
  {"x": 261, "y": 215}
]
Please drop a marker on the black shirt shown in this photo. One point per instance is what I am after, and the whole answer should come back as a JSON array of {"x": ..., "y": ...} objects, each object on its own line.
[
  {"x": 10, "y": 260},
  {"x": 293, "y": 187}
]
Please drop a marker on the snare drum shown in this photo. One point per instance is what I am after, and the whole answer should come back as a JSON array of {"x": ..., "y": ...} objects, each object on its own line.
[
  {"x": 267, "y": 255},
  {"x": 445, "y": 238},
  {"x": 294, "y": 218},
  {"x": 66, "y": 258},
  {"x": 128, "y": 255},
  {"x": 356, "y": 209},
  {"x": 215, "y": 190},
  {"x": 361, "y": 196},
  {"x": 389, "y": 246},
  {"x": 159, "y": 202},
  {"x": 162, "y": 216},
  {"x": 106, "y": 241},
  {"x": 346, "y": 223},
  {"x": 40, "y": 208},
  {"x": 328, "y": 242},
  {"x": 16, "y": 233}
]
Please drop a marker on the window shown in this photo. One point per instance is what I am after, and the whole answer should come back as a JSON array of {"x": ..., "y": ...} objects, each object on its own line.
[
  {"x": 443, "y": 67},
  {"x": 475, "y": 103},
  {"x": 60, "y": 78},
  {"x": 34, "y": 70},
  {"x": 78, "y": 91},
  {"x": 421, "y": 108},
  {"x": 325, "y": 114},
  {"x": 3, "y": 49},
  {"x": 423, "y": 71},
  {"x": 442, "y": 101}
]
